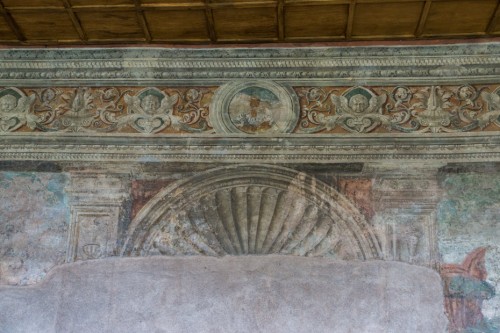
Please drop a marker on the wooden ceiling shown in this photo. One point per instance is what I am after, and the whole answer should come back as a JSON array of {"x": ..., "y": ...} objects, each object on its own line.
[{"x": 77, "y": 22}]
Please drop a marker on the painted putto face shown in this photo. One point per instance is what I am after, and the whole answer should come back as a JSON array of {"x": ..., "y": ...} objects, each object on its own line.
[
  {"x": 401, "y": 94},
  {"x": 358, "y": 103},
  {"x": 150, "y": 104},
  {"x": 7, "y": 103}
]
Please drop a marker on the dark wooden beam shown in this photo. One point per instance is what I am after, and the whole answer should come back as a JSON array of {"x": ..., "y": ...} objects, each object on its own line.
[
  {"x": 12, "y": 24},
  {"x": 423, "y": 19},
  {"x": 76, "y": 22},
  {"x": 494, "y": 19},
  {"x": 281, "y": 19},
  {"x": 209, "y": 17},
  {"x": 142, "y": 21},
  {"x": 350, "y": 19}
]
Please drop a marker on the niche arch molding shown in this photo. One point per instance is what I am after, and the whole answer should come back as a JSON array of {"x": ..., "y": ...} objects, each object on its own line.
[{"x": 251, "y": 209}]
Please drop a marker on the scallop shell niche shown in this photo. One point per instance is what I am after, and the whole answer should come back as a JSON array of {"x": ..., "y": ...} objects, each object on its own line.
[{"x": 251, "y": 210}]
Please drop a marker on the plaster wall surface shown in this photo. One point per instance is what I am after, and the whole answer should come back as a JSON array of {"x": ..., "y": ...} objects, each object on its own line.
[{"x": 228, "y": 294}]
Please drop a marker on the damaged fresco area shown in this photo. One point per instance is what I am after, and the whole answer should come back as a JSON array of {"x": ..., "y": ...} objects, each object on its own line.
[
  {"x": 468, "y": 219},
  {"x": 449, "y": 223},
  {"x": 33, "y": 225}
]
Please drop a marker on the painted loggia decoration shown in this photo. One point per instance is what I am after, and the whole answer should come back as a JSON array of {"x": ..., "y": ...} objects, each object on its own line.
[
  {"x": 251, "y": 108},
  {"x": 253, "y": 209}
]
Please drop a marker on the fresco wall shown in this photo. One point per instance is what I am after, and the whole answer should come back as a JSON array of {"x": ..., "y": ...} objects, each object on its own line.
[
  {"x": 376, "y": 154},
  {"x": 468, "y": 217},
  {"x": 437, "y": 221},
  {"x": 34, "y": 217}
]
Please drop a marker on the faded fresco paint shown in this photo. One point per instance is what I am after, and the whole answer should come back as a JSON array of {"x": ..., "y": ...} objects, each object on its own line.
[
  {"x": 469, "y": 218},
  {"x": 465, "y": 290},
  {"x": 34, "y": 219},
  {"x": 359, "y": 191}
]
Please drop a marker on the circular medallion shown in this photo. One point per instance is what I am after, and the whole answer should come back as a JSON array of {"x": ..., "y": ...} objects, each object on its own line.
[{"x": 257, "y": 107}]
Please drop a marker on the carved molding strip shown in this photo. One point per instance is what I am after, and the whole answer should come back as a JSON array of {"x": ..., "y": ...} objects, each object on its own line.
[
  {"x": 479, "y": 147},
  {"x": 244, "y": 209},
  {"x": 472, "y": 63}
]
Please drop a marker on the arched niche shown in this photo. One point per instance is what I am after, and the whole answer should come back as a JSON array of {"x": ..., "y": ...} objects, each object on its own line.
[{"x": 251, "y": 209}]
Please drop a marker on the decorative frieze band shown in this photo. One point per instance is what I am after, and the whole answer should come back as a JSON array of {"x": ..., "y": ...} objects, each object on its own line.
[
  {"x": 276, "y": 105},
  {"x": 251, "y": 108}
]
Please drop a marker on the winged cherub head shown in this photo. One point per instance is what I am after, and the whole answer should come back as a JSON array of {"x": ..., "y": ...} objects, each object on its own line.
[
  {"x": 358, "y": 103},
  {"x": 150, "y": 104},
  {"x": 8, "y": 103}
]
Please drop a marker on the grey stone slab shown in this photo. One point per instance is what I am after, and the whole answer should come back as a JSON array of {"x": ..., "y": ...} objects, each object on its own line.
[{"x": 228, "y": 294}]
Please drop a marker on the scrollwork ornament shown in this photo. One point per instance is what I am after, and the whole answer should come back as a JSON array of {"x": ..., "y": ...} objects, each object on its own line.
[
  {"x": 435, "y": 105},
  {"x": 111, "y": 108},
  {"x": 78, "y": 110},
  {"x": 314, "y": 105},
  {"x": 493, "y": 104},
  {"x": 15, "y": 110},
  {"x": 193, "y": 111},
  {"x": 401, "y": 95}
]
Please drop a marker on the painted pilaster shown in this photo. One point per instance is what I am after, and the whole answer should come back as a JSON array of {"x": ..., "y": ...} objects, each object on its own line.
[
  {"x": 405, "y": 199},
  {"x": 96, "y": 202}
]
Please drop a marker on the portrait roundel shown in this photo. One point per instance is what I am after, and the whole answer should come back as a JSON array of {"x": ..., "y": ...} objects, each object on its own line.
[{"x": 254, "y": 108}]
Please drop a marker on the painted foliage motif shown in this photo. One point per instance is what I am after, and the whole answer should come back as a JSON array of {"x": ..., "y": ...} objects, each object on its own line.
[
  {"x": 260, "y": 107},
  {"x": 104, "y": 110},
  {"x": 14, "y": 110},
  {"x": 399, "y": 109}
]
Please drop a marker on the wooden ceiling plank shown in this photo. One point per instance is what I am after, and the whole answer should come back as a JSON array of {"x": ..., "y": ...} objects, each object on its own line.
[
  {"x": 212, "y": 5},
  {"x": 172, "y": 6},
  {"x": 75, "y": 21},
  {"x": 386, "y": 1},
  {"x": 316, "y": 38},
  {"x": 117, "y": 40},
  {"x": 35, "y": 9},
  {"x": 12, "y": 24},
  {"x": 180, "y": 41},
  {"x": 316, "y": 2},
  {"x": 350, "y": 19},
  {"x": 95, "y": 8},
  {"x": 246, "y": 41},
  {"x": 142, "y": 20},
  {"x": 246, "y": 4},
  {"x": 338, "y": 2},
  {"x": 494, "y": 20},
  {"x": 383, "y": 37},
  {"x": 455, "y": 35},
  {"x": 281, "y": 19},
  {"x": 423, "y": 19},
  {"x": 209, "y": 16}
]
